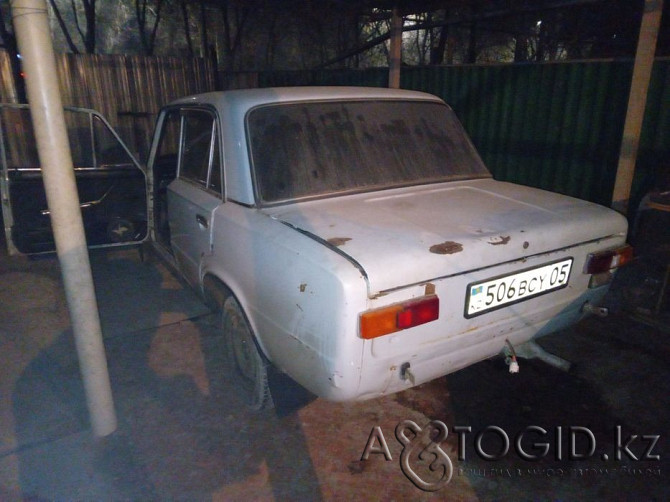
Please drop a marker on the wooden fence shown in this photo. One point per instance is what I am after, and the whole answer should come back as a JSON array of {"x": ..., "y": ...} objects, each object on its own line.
[
  {"x": 556, "y": 126},
  {"x": 127, "y": 90}
]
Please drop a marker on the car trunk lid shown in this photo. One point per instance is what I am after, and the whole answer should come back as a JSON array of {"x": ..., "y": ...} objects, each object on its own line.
[{"x": 414, "y": 235}]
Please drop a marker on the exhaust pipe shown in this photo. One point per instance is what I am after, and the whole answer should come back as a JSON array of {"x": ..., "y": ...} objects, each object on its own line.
[
  {"x": 531, "y": 350},
  {"x": 588, "y": 308}
]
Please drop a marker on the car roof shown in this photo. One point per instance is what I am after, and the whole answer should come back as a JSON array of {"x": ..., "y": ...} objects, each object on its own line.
[
  {"x": 233, "y": 107},
  {"x": 249, "y": 98}
]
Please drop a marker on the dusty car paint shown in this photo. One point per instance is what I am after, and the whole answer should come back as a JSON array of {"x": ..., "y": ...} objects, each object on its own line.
[{"x": 305, "y": 270}]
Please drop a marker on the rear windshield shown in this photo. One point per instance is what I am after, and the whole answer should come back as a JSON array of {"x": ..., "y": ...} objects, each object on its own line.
[{"x": 323, "y": 148}]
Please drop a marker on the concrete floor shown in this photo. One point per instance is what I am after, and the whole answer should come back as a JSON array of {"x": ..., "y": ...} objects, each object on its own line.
[{"x": 184, "y": 435}]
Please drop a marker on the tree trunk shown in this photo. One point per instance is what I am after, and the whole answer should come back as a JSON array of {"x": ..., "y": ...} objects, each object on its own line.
[
  {"x": 12, "y": 50},
  {"x": 520, "y": 41},
  {"x": 154, "y": 30},
  {"x": 63, "y": 27},
  {"x": 187, "y": 28},
  {"x": 437, "y": 53},
  {"x": 539, "y": 54},
  {"x": 88, "y": 36},
  {"x": 89, "y": 41},
  {"x": 203, "y": 29},
  {"x": 471, "y": 57}
]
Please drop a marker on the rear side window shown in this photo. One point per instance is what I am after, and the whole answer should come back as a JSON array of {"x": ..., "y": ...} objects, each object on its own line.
[
  {"x": 168, "y": 145},
  {"x": 323, "y": 148},
  {"x": 197, "y": 146},
  {"x": 189, "y": 140}
]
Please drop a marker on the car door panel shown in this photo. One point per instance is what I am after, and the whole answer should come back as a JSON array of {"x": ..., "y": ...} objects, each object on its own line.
[
  {"x": 110, "y": 183},
  {"x": 195, "y": 193},
  {"x": 191, "y": 213}
]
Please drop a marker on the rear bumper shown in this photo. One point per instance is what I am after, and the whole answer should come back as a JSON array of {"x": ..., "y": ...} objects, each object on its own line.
[
  {"x": 352, "y": 368},
  {"x": 456, "y": 341},
  {"x": 384, "y": 375}
]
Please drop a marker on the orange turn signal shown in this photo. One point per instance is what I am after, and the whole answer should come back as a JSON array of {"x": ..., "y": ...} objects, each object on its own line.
[
  {"x": 597, "y": 263},
  {"x": 399, "y": 316}
]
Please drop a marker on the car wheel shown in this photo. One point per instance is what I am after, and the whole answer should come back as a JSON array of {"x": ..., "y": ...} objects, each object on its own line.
[{"x": 248, "y": 364}]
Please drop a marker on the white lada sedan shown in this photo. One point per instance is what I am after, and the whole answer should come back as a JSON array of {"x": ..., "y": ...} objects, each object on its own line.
[{"x": 354, "y": 239}]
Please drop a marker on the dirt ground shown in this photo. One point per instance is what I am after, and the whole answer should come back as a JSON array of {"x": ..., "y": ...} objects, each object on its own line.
[{"x": 185, "y": 435}]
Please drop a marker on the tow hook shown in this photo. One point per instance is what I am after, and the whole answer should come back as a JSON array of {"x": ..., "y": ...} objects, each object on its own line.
[
  {"x": 406, "y": 374},
  {"x": 587, "y": 308}
]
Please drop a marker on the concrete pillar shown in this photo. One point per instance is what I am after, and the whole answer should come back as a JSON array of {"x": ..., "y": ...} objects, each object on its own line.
[
  {"x": 637, "y": 100},
  {"x": 34, "y": 40},
  {"x": 396, "y": 50}
]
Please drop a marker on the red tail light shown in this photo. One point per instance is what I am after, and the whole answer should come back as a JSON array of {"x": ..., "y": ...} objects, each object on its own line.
[
  {"x": 399, "y": 316},
  {"x": 598, "y": 263}
]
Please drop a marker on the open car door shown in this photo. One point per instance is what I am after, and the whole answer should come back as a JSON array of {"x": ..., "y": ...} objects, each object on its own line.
[{"x": 112, "y": 185}]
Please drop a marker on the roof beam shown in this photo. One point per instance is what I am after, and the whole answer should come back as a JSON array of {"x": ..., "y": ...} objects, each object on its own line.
[{"x": 637, "y": 101}]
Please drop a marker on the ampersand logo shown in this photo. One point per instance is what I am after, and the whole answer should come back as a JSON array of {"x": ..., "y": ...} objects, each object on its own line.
[{"x": 424, "y": 448}]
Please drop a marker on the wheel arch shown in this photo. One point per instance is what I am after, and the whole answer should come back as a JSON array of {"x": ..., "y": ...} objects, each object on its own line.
[{"x": 215, "y": 291}]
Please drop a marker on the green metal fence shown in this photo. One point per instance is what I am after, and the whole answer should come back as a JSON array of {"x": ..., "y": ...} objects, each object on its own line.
[{"x": 556, "y": 126}]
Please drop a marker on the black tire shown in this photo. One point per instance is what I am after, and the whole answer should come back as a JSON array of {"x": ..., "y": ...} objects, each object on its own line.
[{"x": 245, "y": 359}]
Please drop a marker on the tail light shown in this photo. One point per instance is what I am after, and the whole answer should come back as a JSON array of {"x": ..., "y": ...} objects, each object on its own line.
[
  {"x": 399, "y": 316},
  {"x": 598, "y": 263}
]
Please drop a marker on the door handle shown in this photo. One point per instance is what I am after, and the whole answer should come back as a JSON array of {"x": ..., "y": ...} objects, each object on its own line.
[
  {"x": 201, "y": 220},
  {"x": 84, "y": 205}
]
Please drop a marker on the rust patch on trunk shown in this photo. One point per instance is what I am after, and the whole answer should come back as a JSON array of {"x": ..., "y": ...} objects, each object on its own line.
[
  {"x": 338, "y": 241},
  {"x": 448, "y": 247},
  {"x": 500, "y": 241}
]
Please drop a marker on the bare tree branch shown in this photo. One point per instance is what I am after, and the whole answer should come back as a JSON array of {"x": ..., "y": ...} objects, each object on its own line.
[
  {"x": 63, "y": 27},
  {"x": 187, "y": 29},
  {"x": 141, "y": 10},
  {"x": 87, "y": 37}
]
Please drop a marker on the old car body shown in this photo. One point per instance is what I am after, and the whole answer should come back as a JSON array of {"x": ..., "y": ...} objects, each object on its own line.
[{"x": 365, "y": 245}]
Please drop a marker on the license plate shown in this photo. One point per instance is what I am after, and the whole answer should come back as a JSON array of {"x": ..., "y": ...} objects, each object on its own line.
[{"x": 499, "y": 292}]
